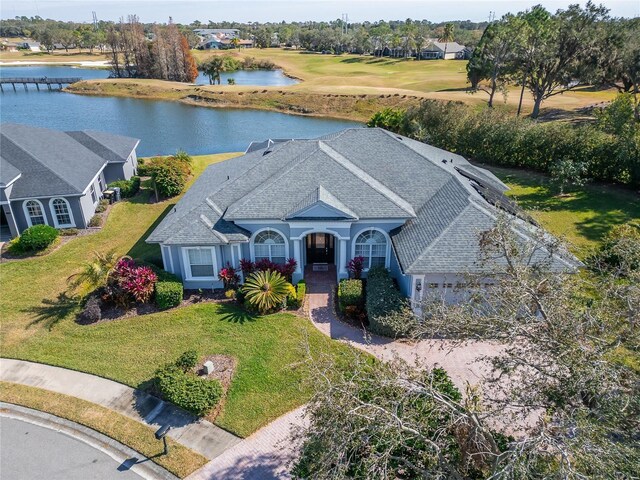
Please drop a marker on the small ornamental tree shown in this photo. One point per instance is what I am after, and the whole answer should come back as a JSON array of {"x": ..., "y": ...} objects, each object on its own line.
[
  {"x": 355, "y": 267},
  {"x": 228, "y": 277},
  {"x": 266, "y": 290}
]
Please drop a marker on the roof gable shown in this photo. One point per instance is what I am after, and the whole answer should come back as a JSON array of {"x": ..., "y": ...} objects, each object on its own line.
[{"x": 321, "y": 204}]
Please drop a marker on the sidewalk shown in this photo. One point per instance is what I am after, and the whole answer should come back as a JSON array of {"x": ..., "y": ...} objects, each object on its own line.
[{"x": 199, "y": 435}]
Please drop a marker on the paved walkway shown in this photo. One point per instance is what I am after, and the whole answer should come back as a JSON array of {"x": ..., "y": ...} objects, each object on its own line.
[{"x": 199, "y": 435}]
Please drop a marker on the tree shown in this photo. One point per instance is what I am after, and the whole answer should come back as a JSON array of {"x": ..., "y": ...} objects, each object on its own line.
[
  {"x": 447, "y": 35},
  {"x": 235, "y": 41},
  {"x": 212, "y": 68},
  {"x": 94, "y": 273}
]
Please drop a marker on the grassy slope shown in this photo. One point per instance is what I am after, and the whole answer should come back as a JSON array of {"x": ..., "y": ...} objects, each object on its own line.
[{"x": 37, "y": 324}]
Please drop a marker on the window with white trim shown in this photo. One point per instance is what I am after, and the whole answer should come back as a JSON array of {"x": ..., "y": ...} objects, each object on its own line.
[
  {"x": 35, "y": 213},
  {"x": 200, "y": 262},
  {"x": 372, "y": 245},
  {"x": 94, "y": 197},
  {"x": 270, "y": 245},
  {"x": 61, "y": 212}
]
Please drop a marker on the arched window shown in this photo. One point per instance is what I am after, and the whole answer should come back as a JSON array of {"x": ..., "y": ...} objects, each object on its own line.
[
  {"x": 61, "y": 212},
  {"x": 270, "y": 245},
  {"x": 34, "y": 213},
  {"x": 372, "y": 245}
]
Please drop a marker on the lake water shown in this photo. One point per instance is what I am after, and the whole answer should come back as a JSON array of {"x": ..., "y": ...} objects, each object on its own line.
[{"x": 162, "y": 126}]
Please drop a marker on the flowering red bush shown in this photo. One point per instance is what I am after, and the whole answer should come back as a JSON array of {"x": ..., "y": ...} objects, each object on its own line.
[
  {"x": 228, "y": 276},
  {"x": 264, "y": 264},
  {"x": 355, "y": 267},
  {"x": 247, "y": 267},
  {"x": 133, "y": 280}
]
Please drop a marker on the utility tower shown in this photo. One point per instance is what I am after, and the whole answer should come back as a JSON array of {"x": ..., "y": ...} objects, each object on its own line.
[
  {"x": 95, "y": 21},
  {"x": 345, "y": 23}
]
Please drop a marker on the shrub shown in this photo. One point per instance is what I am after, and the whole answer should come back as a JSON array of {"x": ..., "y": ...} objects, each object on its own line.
[
  {"x": 188, "y": 391},
  {"x": 96, "y": 221},
  {"x": 102, "y": 205},
  {"x": 69, "y": 232},
  {"x": 620, "y": 250},
  {"x": 128, "y": 188},
  {"x": 263, "y": 265},
  {"x": 355, "y": 267},
  {"x": 169, "y": 293},
  {"x": 37, "y": 238},
  {"x": 91, "y": 313},
  {"x": 228, "y": 276},
  {"x": 170, "y": 176},
  {"x": 301, "y": 288},
  {"x": 265, "y": 290},
  {"x": 292, "y": 297},
  {"x": 230, "y": 294},
  {"x": 349, "y": 294},
  {"x": 388, "y": 311},
  {"x": 137, "y": 281},
  {"x": 187, "y": 361}
]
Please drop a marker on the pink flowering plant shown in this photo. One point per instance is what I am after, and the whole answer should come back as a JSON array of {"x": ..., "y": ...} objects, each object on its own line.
[
  {"x": 355, "y": 267},
  {"x": 285, "y": 269},
  {"x": 129, "y": 281},
  {"x": 229, "y": 277}
]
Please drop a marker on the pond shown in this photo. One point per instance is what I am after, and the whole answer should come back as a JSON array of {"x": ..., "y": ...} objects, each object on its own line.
[
  {"x": 261, "y": 78},
  {"x": 162, "y": 126}
]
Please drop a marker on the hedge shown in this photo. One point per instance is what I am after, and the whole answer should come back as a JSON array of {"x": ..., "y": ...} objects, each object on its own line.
[
  {"x": 188, "y": 391},
  {"x": 37, "y": 238},
  {"x": 128, "y": 188},
  {"x": 388, "y": 310},
  {"x": 301, "y": 289},
  {"x": 169, "y": 290},
  {"x": 350, "y": 294}
]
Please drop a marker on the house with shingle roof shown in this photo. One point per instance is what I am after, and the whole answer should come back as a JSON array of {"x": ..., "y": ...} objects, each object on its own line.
[
  {"x": 399, "y": 203},
  {"x": 57, "y": 178}
]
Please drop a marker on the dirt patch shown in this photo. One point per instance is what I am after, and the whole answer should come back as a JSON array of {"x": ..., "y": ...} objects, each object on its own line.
[{"x": 224, "y": 366}]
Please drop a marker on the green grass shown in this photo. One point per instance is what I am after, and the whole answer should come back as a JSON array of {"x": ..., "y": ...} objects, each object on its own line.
[
  {"x": 582, "y": 217},
  {"x": 38, "y": 324}
]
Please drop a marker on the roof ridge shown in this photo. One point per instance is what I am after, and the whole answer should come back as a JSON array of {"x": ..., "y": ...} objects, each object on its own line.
[
  {"x": 307, "y": 203},
  {"x": 32, "y": 157},
  {"x": 368, "y": 179}
]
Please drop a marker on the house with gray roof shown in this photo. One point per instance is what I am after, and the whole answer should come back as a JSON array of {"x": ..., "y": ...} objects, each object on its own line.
[
  {"x": 57, "y": 178},
  {"x": 399, "y": 203}
]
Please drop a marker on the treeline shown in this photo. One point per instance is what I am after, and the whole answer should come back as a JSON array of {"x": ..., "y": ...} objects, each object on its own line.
[
  {"x": 548, "y": 54},
  {"x": 607, "y": 150},
  {"x": 166, "y": 56}
]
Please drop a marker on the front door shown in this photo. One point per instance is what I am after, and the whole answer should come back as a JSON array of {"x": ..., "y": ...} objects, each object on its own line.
[{"x": 320, "y": 248}]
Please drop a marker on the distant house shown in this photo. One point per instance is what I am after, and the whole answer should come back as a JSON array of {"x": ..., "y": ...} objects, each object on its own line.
[
  {"x": 7, "y": 46},
  {"x": 57, "y": 178},
  {"x": 32, "y": 46},
  {"x": 227, "y": 32},
  {"x": 222, "y": 42},
  {"x": 436, "y": 50},
  {"x": 362, "y": 192}
]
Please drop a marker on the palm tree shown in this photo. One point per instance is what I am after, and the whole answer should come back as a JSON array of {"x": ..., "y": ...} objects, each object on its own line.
[
  {"x": 266, "y": 290},
  {"x": 235, "y": 41},
  {"x": 446, "y": 37},
  {"x": 94, "y": 273},
  {"x": 212, "y": 69}
]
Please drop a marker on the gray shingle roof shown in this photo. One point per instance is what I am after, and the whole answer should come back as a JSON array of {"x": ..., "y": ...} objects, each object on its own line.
[
  {"x": 359, "y": 174},
  {"x": 52, "y": 162}
]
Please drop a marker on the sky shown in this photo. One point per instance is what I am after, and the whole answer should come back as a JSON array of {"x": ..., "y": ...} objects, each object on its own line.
[{"x": 187, "y": 11}]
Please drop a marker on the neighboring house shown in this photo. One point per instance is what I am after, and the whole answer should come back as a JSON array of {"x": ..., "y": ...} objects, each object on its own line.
[
  {"x": 57, "y": 178},
  {"x": 228, "y": 32},
  {"x": 221, "y": 41},
  {"x": 32, "y": 46},
  {"x": 399, "y": 203},
  {"x": 436, "y": 50},
  {"x": 7, "y": 46}
]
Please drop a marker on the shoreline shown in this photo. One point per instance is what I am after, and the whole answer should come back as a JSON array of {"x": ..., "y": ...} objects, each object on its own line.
[
  {"x": 100, "y": 64},
  {"x": 353, "y": 107}
]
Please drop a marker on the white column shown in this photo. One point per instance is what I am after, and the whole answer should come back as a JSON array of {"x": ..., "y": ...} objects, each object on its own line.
[
  {"x": 342, "y": 270},
  {"x": 297, "y": 275}
]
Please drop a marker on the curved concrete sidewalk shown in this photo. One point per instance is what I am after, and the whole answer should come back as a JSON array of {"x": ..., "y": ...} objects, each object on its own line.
[{"x": 199, "y": 435}]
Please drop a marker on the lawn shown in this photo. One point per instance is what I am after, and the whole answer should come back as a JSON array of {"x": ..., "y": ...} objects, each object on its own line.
[
  {"x": 582, "y": 217},
  {"x": 38, "y": 324}
]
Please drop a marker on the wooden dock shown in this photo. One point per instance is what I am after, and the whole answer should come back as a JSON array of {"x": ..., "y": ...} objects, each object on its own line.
[{"x": 37, "y": 81}]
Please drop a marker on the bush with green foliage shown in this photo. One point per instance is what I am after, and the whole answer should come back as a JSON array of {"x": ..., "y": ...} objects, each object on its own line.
[
  {"x": 350, "y": 294},
  {"x": 387, "y": 309},
  {"x": 96, "y": 221},
  {"x": 292, "y": 297},
  {"x": 36, "y": 238},
  {"x": 169, "y": 291},
  {"x": 128, "y": 188},
  {"x": 187, "y": 361},
  {"x": 170, "y": 175},
  {"x": 620, "y": 250},
  {"x": 301, "y": 291},
  {"x": 68, "y": 232},
  {"x": 102, "y": 205},
  {"x": 188, "y": 391},
  {"x": 265, "y": 290},
  {"x": 607, "y": 151}
]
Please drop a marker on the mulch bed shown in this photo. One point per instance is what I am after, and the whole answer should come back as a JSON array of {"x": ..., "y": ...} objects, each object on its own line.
[{"x": 224, "y": 367}]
